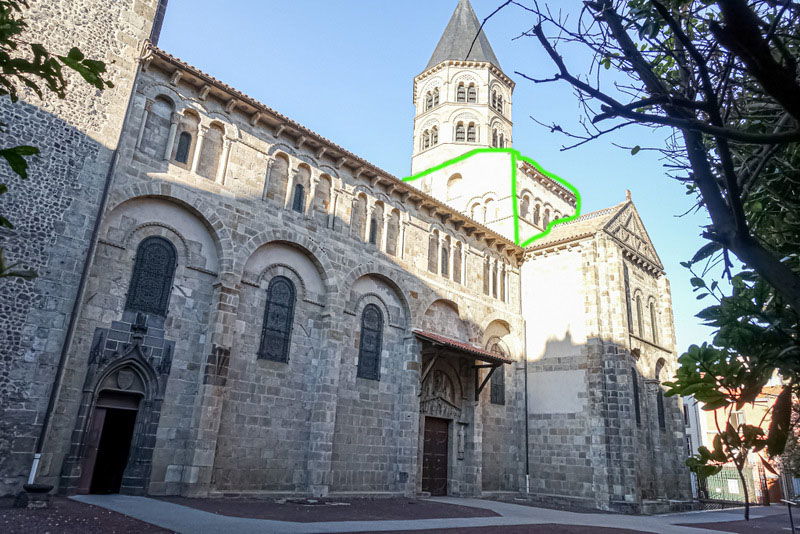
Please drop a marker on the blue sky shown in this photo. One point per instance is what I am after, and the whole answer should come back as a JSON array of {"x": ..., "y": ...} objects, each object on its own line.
[{"x": 345, "y": 70}]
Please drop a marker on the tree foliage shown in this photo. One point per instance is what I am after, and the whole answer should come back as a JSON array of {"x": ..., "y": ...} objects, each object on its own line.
[
  {"x": 29, "y": 67},
  {"x": 721, "y": 77}
]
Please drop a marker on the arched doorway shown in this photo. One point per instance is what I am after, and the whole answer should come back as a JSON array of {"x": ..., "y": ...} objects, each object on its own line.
[{"x": 111, "y": 432}]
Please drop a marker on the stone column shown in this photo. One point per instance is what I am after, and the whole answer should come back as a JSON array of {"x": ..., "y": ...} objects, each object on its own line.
[
  {"x": 148, "y": 107},
  {"x": 173, "y": 130},
  {"x": 270, "y": 164},
  {"x": 223, "y": 160},
  {"x": 463, "y": 264},
  {"x": 198, "y": 147},
  {"x": 196, "y": 476}
]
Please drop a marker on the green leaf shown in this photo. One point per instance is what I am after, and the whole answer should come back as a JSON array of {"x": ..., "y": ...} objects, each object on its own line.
[{"x": 705, "y": 251}]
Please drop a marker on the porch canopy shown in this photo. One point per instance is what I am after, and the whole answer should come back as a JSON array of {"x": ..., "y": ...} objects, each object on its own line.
[{"x": 454, "y": 347}]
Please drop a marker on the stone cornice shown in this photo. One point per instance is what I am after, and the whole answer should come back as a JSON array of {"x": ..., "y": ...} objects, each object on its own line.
[
  {"x": 549, "y": 184},
  {"x": 268, "y": 118},
  {"x": 469, "y": 65}
]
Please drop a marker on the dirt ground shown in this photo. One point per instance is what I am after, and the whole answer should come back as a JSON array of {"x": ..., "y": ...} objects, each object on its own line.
[
  {"x": 331, "y": 509},
  {"x": 67, "y": 516}
]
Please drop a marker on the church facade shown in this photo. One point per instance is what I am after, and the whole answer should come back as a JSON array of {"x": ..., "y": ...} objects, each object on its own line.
[{"x": 243, "y": 306}]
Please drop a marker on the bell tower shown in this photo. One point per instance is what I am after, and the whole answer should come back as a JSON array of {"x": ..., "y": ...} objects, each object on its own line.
[{"x": 462, "y": 98}]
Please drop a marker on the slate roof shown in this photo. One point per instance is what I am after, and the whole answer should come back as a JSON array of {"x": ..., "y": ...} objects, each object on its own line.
[
  {"x": 477, "y": 352},
  {"x": 458, "y": 37}
]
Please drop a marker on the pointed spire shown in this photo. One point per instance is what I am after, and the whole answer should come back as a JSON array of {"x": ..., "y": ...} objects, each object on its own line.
[{"x": 458, "y": 37}]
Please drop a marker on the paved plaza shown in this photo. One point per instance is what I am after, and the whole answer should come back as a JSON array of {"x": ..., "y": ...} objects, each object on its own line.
[{"x": 491, "y": 516}]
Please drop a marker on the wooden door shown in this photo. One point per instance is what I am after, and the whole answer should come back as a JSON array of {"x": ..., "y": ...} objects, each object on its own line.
[
  {"x": 434, "y": 456},
  {"x": 92, "y": 446}
]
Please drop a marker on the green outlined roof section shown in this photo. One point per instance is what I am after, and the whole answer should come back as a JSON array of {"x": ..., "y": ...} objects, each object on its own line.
[{"x": 516, "y": 157}]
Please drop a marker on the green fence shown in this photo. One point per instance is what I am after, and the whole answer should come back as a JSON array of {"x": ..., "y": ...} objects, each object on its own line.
[{"x": 727, "y": 486}]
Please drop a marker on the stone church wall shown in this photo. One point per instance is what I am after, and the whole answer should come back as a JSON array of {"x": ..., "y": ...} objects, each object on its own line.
[
  {"x": 231, "y": 422},
  {"x": 55, "y": 209}
]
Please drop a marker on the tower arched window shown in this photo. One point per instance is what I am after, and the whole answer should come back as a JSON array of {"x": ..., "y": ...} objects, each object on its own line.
[
  {"x": 460, "y": 132},
  {"x": 435, "y": 135},
  {"x": 276, "y": 332},
  {"x": 471, "y": 133},
  {"x": 299, "y": 200},
  {"x": 428, "y": 101},
  {"x": 494, "y": 99},
  {"x": 436, "y": 97},
  {"x": 500, "y": 103},
  {"x": 151, "y": 281},
  {"x": 182, "y": 152},
  {"x": 426, "y": 139},
  {"x": 502, "y": 142},
  {"x": 369, "y": 348},
  {"x": 461, "y": 93},
  {"x": 654, "y": 321},
  {"x": 472, "y": 94},
  {"x": 494, "y": 137}
]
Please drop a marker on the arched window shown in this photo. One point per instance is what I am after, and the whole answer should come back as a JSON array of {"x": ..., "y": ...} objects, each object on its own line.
[
  {"x": 373, "y": 230},
  {"x": 299, "y": 201},
  {"x": 157, "y": 127},
  {"x": 662, "y": 419},
  {"x": 494, "y": 99},
  {"x": 654, "y": 321},
  {"x": 434, "y": 135},
  {"x": 626, "y": 283},
  {"x": 433, "y": 252},
  {"x": 454, "y": 187},
  {"x": 546, "y": 218},
  {"x": 502, "y": 142},
  {"x": 486, "y": 276},
  {"x": 426, "y": 139},
  {"x": 369, "y": 348},
  {"x": 322, "y": 199},
  {"x": 278, "y": 179},
  {"x": 494, "y": 280},
  {"x": 460, "y": 133},
  {"x": 494, "y": 137},
  {"x": 428, "y": 101},
  {"x": 182, "y": 152},
  {"x": 457, "y": 263},
  {"x": 536, "y": 209},
  {"x": 500, "y": 103},
  {"x": 276, "y": 332},
  {"x": 498, "y": 385},
  {"x": 472, "y": 94},
  {"x": 461, "y": 93},
  {"x": 471, "y": 133},
  {"x": 393, "y": 233},
  {"x": 445, "y": 263},
  {"x": 151, "y": 281},
  {"x": 436, "y": 97},
  {"x": 639, "y": 316},
  {"x": 636, "y": 407},
  {"x": 211, "y": 152}
]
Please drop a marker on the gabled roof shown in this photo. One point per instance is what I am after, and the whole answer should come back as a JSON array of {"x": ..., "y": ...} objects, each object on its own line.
[
  {"x": 458, "y": 37},
  {"x": 622, "y": 222}
]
